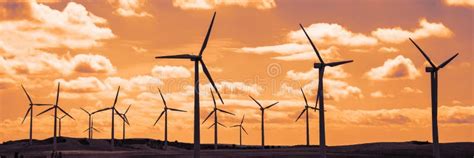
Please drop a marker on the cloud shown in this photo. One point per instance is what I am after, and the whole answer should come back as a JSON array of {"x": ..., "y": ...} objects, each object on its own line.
[
  {"x": 82, "y": 85},
  {"x": 238, "y": 88},
  {"x": 89, "y": 63},
  {"x": 73, "y": 27},
  {"x": 129, "y": 8},
  {"x": 399, "y": 35},
  {"x": 333, "y": 89},
  {"x": 411, "y": 90},
  {"x": 6, "y": 83},
  {"x": 380, "y": 94},
  {"x": 388, "y": 50},
  {"x": 170, "y": 72},
  {"x": 139, "y": 49},
  {"x": 397, "y": 68},
  {"x": 330, "y": 72},
  {"x": 292, "y": 51},
  {"x": 332, "y": 34},
  {"x": 212, "y": 4},
  {"x": 464, "y": 3}
]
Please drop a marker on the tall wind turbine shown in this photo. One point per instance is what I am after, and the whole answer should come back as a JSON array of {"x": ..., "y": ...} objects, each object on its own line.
[
  {"x": 262, "y": 109},
  {"x": 197, "y": 59},
  {"x": 30, "y": 111},
  {"x": 60, "y": 124},
  {"x": 306, "y": 109},
  {"x": 214, "y": 111},
  {"x": 241, "y": 127},
  {"x": 90, "y": 128},
  {"x": 125, "y": 120},
  {"x": 56, "y": 107},
  {"x": 433, "y": 70},
  {"x": 320, "y": 94},
  {"x": 165, "y": 111},
  {"x": 113, "y": 110}
]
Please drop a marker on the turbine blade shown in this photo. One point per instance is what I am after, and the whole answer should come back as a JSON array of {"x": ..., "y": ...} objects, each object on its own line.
[
  {"x": 127, "y": 109},
  {"x": 46, "y": 111},
  {"x": 339, "y": 63},
  {"x": 244, "y": 130},
  {"x": 243, "y": 117},
  {"x": 116, "y": 96},
  {"x": 95, "y": 129},
  {"x": 27, "y": 95},
  {"x": 211, "y": 125},
  {"x": 234, "y": 126},
  {"x": 206, "y": 71},
  {"x": 213, "y": 99},
  {"x": 304, "y": 96},
  {"x": 447, "y": 61},
  {"x": 86, "y": 130},
  {"x": 162, "y": 98},
  {"x": 26, "y": 115},
  {"x": 221, "y": 124},
  {"x": 424, "y": 54},
  {"x": 173, "y": 109},
  {"x": 226, "y": 112},
  {"x": 301, "y": 114},
  {"x": 42, "y": 104},
  {"x": 65, "y": 113},
  {"x": 57, "y": 95},
  {"x": 104, "y": 109},
  {"x": 86, "y": 111},
  {"x": 159, "y": 117},
  {"x": 116, "y": 111},
  {"x": 312, "y": 45},
  {"x": 180, "y": 56},
  {"x": 271, "y": 105},
  {"x": 256, "y": 102},
  {"x": 126, "y": 119},
  {"x": 208, "y": 116},
  {"x": 204, "y": 44}
]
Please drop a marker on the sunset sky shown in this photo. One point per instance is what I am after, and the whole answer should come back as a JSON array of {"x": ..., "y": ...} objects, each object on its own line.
[{"x": 256, "y": 48}]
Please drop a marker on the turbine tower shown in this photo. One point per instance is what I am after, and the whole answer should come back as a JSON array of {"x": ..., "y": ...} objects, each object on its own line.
[
  {"x": 214, "y": 111},
  {"x": 320, "y": 93},
  {"x": 60, "y": 125},
  {"x": 306, "y": 109},
  {"x": 241, "y": 127},
  {"x": 55, "y": 107},
  {"x": 91, "y": 127},
  {"x": 165, "y": 111},
  {"x": 30, "y": 111},
  {"x": 113, "y": 110},
  {"x": 125, "y": 120},
  {"x": 433, "y": 70},
  {"x": 262, "y": 109},
  {"x": 197, "y": 59}
]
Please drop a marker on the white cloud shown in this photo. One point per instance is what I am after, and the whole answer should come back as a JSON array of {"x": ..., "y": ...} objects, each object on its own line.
[
  {"x": 82, "y": 85},
  {"x": 330, "y": 72},
  {"x": 139, "y": 49},
  {"x": 130, "y": 8},
  {"x": 399, "y": 35},
  {"x": 212, "y": 4},
  {"x": 465, "y": 3},
  {"x": 411, "y": 90},
  {"x": 380, "y": 94},
  {"x": 388, "y": 50},
  {"x": 170, "y": 72},
  {"x": 397, "y": 68}
]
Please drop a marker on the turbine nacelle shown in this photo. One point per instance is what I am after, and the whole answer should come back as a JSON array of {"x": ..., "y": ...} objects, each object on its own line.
[
  {"x": 431, "y": 69},
  {"x": 318, "y": 65}
]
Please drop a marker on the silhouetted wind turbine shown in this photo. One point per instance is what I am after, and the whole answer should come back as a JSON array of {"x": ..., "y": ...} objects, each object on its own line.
[
  {"x": 197, "y": 59},
  {"x": 125, "y": 120},
  {"x": 56, "y": 107},
  {"x": 214, "y": 111},
  {"x": 165, "y": 111},
  {"x": 433, "y": 70},
  {"x": 30, "y": 111},
  {"x": 60, "y": 125},
  {"x": 113, "y": 110},
  {"x": 90, "y": 128},
  {"x": 241, "y": 127},
  {"x": 262, "y": 109},
  {"x": 307, "y": 115},
  {"x": 320, "y": 95}
]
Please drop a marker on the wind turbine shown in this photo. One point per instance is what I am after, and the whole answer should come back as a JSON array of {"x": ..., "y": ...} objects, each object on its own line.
[
  {"x": 262, "y": 109},
  {"x": 30, "y": 111},
  {"x": 56, "y": 107},
  {"x": 197, "y": 59},
  {"x": 90, "y": 128},
  {"x": 433, "y": 70},
  {"x": 214, "y": 111},
  {"x": 320, "y": 95},
  {"x": 59, "y": 126},
  {"x": 307, "y": 115},
  {"x": 165, "y": 111},
  {"x": 125, "y": 120},
  {"x": 113, "y": 110},
  {"x": 241, "y": 127}
]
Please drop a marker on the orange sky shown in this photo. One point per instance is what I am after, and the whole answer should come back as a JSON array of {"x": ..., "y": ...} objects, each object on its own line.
[{"x": 256, "y": 48}]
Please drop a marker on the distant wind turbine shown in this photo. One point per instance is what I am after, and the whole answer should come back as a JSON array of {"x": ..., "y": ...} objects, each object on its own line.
[
  {"x": 320, "y": 95},
  {"x": 262, "y": 109},
  {"x": 55, "y": 107},
  {"x": 197, "y": 59},
  {"x": 30, "y": 111},
  {"x": 113, "y": 110},
  {"x": 241, "y": 127},
  {"x": 125, "y": 120},
  {"x": 60, "y": 124},
  {"x": 165, "y": 111},
  {"x": 214, "y": 111},
  {"x": 433, "y": 70},
  {"x": 90, "y": 129},
  {"x": 306, "y": 109}
]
